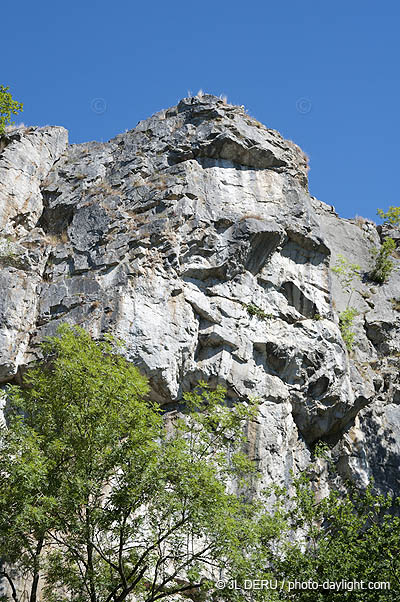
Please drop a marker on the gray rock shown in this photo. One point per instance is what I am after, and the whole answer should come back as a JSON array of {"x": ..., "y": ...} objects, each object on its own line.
[
  {"x": 24, "y": 164},
  {"x": 193, "y": 238}
]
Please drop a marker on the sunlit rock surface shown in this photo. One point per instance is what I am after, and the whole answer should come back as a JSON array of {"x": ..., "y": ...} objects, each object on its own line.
[{"x": 194, "y": 239}]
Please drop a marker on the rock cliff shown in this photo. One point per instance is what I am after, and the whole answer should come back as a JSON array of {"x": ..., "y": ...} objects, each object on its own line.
[{"x": 194, "y": 239}]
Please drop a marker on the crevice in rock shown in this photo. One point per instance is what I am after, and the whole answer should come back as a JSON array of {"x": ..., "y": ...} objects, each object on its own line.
[
  {"x": 378, "y": 334},
  {"x": 301, "y": 250},
  {"x": 56, "y": 311},
  {"x": 339, "y": 427},
  {"x": 54, "y": 220},
  {"x": 319, "y": 387},
  {"x": 263, "y": 358},
  {"x": 4, "y": 142},
  {"x": 310, "y": 242},
  {"x": 297, "y": 299}
]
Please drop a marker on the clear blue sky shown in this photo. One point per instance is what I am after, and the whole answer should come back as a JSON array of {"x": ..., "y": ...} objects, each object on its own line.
[{"x": 325, "y": 74}]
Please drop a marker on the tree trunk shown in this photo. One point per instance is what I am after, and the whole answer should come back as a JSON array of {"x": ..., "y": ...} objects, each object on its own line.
[
  {"x": 36, "y": 572},
  {"x": 89, "y": 552},
  {"x": 11, "y": 583}
]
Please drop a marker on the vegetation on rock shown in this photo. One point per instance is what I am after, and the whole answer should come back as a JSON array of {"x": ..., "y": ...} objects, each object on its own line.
[
  {"x": 395, "y": 303},
  {"x": 383, "y": 265},
  {"x": 254, "y": 310},
  {"x": 346, "y": 319},
  {"x": 347, "y": 273}
]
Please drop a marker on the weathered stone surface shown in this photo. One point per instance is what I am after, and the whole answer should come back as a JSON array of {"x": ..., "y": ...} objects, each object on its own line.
[
  {"x": 26, "y": 159},
  {"x": 193, "y": 238},
  {"x": 24, "y": 163}
]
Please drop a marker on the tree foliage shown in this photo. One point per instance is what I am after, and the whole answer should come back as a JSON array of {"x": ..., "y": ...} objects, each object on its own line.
[
  {"x": 104, "y": 499},
  {"x": 8, "y": 107},
  {"x": 343, "y": 539},
  {"x": 391, "y": 216},
  {"x": 343, "y": 546}
]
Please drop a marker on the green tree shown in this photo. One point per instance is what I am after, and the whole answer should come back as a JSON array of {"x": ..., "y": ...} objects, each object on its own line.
[
  {"x": 23, "y": 525},
  {"x": 8, "y": 107},
  {"x": 392, "y": 216},
  {"x": 352, "y": 537},
  {"x": 101, "y": 497}
]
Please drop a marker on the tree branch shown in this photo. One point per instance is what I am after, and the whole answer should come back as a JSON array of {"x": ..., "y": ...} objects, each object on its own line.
[{"x": 11, "y": 583}]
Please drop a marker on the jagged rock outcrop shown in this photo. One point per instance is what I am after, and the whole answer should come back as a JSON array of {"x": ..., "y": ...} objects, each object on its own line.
[
  {"x": 194, "y": 239},
  {"x": 25, "y": 161}
]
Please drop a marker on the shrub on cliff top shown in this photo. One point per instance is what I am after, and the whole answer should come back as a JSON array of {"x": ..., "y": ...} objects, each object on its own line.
[
  {"x": 8, "y": 107},
  {"x": 392, "y": 216}
]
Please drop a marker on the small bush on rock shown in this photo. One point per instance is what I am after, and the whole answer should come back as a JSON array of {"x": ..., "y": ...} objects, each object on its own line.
[
  {"x": 347, "y": 273},
  {"x": 346, "y": 319},
  {"x": 254, "y": 310},
  {"x": 383, "y": 265}
]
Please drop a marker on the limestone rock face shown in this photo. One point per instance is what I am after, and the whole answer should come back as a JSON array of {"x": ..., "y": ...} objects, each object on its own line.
[
  {"x": 25, "y": 160},
  {"x": 194, "y": 239}
]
